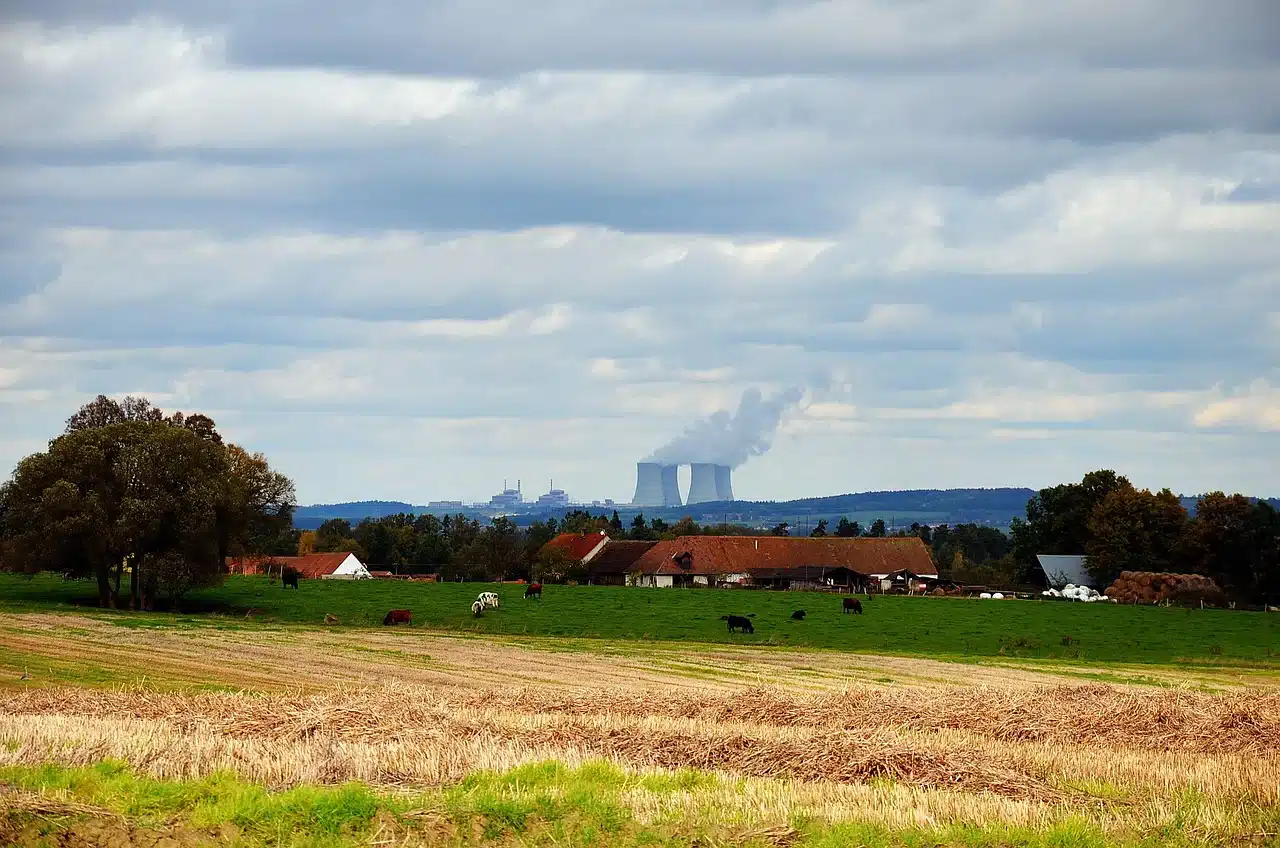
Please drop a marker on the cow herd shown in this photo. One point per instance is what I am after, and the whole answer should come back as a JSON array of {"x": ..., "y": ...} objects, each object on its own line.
[
  {"x": 490, "y": 600},
  {"x": 483, "y": 601},
  {"x": 742, "y": 624}
]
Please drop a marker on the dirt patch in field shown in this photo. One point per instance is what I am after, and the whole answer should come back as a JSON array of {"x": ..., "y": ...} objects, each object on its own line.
[{"x": 28, "y": 819}]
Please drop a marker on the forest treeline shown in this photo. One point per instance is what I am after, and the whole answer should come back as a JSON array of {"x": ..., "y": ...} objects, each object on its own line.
[
  {"x": 1231, "y": 538},
  {"x": 126, "y": 490}
]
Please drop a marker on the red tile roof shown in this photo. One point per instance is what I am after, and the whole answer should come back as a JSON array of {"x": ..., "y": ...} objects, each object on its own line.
[
  {"x": 311, "y": 565},
  {"x": 578, "y": 545},
  {"x": 317, "y": 565},
  {"x": 619, "y": 557},
  {"x": 743, "y": 554}
]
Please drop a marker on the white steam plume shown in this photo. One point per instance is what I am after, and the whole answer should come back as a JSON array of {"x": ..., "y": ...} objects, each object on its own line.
[{"x": 731, "y": 439}]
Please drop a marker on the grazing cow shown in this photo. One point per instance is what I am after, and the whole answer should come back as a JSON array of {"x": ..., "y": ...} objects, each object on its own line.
[
  {"x": 853, "y": 604},
  {"x": 289, "y": 577},
  {"x": 534, "y": 591},
  {"x": 398, "y": 617},
  {"x": 331, "y": 619},
  {"x": 737, "y": 622},
  {"x": 798, "y": 615},
  {"x": 489, "y": 599},
  {"x": 477, "y": 607}
]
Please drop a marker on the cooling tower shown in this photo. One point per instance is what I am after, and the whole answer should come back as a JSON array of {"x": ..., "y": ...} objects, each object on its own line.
[
  {"x": 724, "y": 483},
  {"x": 670, "y": 486},
  {"x": 648, "y": 484},
  {"x": 656, "y": 485},
  {"x": 702, "y": 483}
]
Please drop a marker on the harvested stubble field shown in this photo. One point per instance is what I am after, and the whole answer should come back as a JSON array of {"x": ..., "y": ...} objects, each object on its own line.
[{"x": 295, "y": 735}]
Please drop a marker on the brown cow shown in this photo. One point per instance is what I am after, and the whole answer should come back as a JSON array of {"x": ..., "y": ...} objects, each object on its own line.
[
  {"x": 289, "y": 576},
  {"x": 534, "y": 591},
  {"x": 398, "y": 617},
  {"x": 853, "y": 604}
]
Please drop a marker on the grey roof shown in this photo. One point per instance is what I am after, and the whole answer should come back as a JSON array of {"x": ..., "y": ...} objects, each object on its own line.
[{"x": 1063, "y": 569}]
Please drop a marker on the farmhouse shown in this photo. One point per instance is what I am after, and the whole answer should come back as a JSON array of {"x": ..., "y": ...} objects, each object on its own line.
[
  {"x": 611, "y": 566},
  {"x": 581, "y": 546},
  {"x": 783, "y": 562},
  {"x": 335, "y": 566}
]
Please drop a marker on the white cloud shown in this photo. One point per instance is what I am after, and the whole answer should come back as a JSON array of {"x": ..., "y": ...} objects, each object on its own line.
[
  {"x": 539, "y": 242},
  {"x": 1257, "y": 407}
]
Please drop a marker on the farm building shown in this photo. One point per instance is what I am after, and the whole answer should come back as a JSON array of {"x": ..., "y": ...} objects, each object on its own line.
[
  {"x": 335, "y": 566},
  {"x": 905, "y": 580},
  {"x": 812, "y": 577},
  {"x": 1060, "y": 570},
  {"x": 611, "y": 565},
  {"x": 581, "y": 546},
  {"x": 781, "y": 561}
]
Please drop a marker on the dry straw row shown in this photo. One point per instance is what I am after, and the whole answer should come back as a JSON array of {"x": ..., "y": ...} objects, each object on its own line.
[{"x": 1096, "y": 715}]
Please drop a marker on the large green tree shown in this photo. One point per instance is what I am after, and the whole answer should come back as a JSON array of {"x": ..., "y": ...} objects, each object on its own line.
[
  {"x": 1058, "y": 517},
  {"x": 1237, "y": 543},
  {"x": 1135, "y": 530},
  {"x": 126, "y": 490}
]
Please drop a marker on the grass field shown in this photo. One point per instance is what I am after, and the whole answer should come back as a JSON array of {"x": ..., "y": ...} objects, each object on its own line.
[
  {"x": 951, "y": 627},
  {"x": 123, "y": 729}
]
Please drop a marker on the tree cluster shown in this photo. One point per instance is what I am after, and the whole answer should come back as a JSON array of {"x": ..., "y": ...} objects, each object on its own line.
[
  {"x": 1230, "y": 538},
  {"x": 126, "y": 490}
]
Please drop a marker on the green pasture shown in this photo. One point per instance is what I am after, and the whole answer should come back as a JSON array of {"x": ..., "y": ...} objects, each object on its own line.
[
  {"x": 945, "y": 627},
  {"x": 540, "y": 804}
]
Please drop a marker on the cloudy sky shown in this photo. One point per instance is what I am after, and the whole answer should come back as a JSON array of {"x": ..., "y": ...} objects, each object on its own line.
[{"x": 411, "y": 248}]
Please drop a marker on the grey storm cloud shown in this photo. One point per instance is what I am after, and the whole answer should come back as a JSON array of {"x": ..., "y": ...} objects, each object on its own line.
[
  {"x": 498, "y": 37},
  {"x": 995, "y": 243}
]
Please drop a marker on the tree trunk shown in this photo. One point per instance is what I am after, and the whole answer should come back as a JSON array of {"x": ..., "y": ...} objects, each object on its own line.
[
  {"x": 106, "y": 598},
  {"x": 149, "y": 586},
  {"x": 135, "y": 584},
  {"x": 115, "y": 592}
]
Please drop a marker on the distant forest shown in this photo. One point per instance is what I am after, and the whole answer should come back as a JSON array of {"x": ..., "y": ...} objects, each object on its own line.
[
  {"x": 899, "y": 510},
  {"x": 995, "y": 507},
  {"x": 1233, "y": 539}
]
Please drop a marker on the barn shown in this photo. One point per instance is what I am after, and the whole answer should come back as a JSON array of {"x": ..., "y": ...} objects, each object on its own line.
[
  {"x": 583, "y": 547},
  {"x": 1059, "y": 570},
  {"x": 335, "y": 566},
  {"x": 612, "y": 565},
  {"x": 338, "y": 566},
  {"x": 782, "y": 561}
]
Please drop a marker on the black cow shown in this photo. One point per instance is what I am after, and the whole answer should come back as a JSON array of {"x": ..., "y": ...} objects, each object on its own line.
[
  {"x": 737, "y": 622},
  {"x": 534, "y": 591},
  {"x": 853, "y": 604},
  {"x": 798, "y": 615},
  {"x": 289, "y": 577}
]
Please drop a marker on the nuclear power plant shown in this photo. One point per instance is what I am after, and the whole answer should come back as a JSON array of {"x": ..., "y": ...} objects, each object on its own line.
[
  {"x": 656, "y": 484},
  {"x": 712, "y": 448}
]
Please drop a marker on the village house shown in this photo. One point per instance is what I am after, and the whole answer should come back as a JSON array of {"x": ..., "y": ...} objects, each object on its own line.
[
  {"x": 580, "y": 546},
  {"x": 831, "y": 563},
  {"x": 611, "y": 566},
  {"x": 334, "y": 566}
]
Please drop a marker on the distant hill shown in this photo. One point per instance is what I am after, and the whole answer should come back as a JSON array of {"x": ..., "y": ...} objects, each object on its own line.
[
  {"x": 934, "y": 506},
  {"x": 311, "y": 517},
  {"x": 995, "y": 507}
]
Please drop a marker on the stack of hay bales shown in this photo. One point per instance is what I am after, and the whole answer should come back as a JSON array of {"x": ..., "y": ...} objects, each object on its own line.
[{"x": 1155, "y": 587}]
